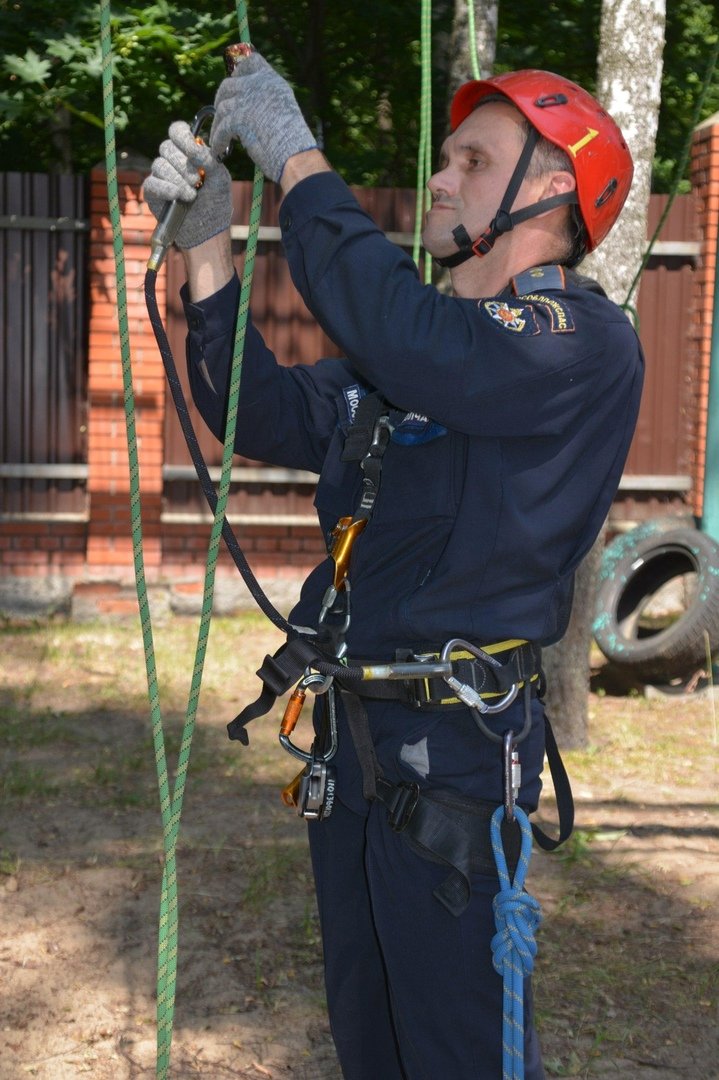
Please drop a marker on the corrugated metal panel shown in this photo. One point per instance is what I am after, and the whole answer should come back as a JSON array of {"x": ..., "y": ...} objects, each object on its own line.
[
  {"x": 43, "y": 348},
  {"x": 665, "y": 296}
]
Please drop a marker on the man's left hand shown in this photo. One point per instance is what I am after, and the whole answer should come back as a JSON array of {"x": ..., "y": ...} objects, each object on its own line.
[{"x": 257, "y": 106}]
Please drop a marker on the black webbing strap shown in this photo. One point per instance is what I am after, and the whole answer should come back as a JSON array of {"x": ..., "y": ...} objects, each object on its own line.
[
  {"x": 359, "y": 730},
  {"x": 278, "y": 673},
  {"x": 505, "y": 219},
  {"x": 562, "y": 791},
  {"x": 359, "y": 437},
  {"x": 451, "y": 830}
]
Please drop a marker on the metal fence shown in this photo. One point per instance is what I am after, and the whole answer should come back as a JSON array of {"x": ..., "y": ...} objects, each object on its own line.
[{"x": 43, "y": 344}]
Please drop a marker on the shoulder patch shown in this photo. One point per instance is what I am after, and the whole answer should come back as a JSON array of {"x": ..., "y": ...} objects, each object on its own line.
[
  {"x": 519, "y": 320},
  {"x": 558, "y": 313},
  {"x": 539, "y": 277}
]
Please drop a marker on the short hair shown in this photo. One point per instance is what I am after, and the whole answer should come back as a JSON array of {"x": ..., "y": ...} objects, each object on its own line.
[{"x": 548, "y": 157}]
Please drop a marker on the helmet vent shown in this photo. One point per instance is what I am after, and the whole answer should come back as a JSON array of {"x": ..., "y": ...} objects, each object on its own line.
[
  {"x": 607, "y": 193},
  {"x": 546, "y": 101}
]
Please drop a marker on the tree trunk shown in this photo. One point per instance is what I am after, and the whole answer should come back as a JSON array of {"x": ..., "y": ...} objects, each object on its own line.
[
  {"x": 485, "y": 34},
  {"x": 629, "y": 86}
]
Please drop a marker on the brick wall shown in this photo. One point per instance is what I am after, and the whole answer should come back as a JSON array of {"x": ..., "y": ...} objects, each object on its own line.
[
  {"x": 705, "y": 180},
  {"x": 87, "y": 566}
]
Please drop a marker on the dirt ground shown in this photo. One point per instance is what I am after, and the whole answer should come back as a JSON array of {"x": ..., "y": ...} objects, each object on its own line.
[{"x": 628, "y": 952}]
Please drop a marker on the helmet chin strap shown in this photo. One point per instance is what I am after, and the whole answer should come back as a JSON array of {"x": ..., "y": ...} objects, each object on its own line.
[{"x": 504, "y": 220}]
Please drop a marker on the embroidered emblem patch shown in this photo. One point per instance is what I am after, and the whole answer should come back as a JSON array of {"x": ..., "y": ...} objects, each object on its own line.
[
  {"x": 560, "y": 317},
  {"x": 518, "y": 319}
]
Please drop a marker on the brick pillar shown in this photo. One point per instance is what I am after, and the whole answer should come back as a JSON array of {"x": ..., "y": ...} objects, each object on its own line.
[
  {"x": 705, "y": 180},
  {"x": 109, "y": 571}
]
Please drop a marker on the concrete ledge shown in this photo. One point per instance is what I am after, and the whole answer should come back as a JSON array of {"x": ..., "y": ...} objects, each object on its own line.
[
  {"x": 35, "y": 597},
  {"x": 91, "y": 599}
]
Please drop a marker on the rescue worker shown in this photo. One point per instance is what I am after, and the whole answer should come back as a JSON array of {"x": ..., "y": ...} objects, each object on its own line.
[{"x": 504, "y": 414}]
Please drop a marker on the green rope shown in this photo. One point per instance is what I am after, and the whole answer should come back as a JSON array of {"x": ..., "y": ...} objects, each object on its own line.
[
  {"x": 472, "y": 36},
  {"x": 424, "y": 150},
  {"x": 171, "y": 805}
]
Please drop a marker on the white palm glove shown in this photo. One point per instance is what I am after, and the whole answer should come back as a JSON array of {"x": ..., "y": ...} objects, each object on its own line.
[
  {"x": 178, "y": 173},
  {"x": 257, "y": 106}
]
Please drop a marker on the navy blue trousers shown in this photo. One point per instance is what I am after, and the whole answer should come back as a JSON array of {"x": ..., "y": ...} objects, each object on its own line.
[{"x": 411, "y": 990}]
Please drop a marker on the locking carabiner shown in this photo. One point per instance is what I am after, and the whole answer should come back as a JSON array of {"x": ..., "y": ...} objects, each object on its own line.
[
  {"x": 511, "y": 773},
  {"x": 319, "y": 684}
]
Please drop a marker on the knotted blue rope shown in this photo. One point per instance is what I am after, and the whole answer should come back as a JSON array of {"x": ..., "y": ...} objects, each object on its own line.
[{"x": 516, "y": 915}]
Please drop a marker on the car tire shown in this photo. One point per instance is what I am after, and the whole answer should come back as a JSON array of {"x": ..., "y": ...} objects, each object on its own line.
[{"x": 640, "y": 570}]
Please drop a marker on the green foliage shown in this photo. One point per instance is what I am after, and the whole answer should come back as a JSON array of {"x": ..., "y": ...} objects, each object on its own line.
[
  {"x": 559, "y": 36},
  {"x": 692, "y": 33},
  {"x": 356, "y": 70}
]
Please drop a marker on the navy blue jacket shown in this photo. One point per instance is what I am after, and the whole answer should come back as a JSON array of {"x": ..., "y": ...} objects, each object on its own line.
[{"x": 513, "y": 418}]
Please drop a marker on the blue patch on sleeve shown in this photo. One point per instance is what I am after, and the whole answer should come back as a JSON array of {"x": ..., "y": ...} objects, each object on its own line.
[
  {"x": 539, "y": 278},
  {"x": 415, "y": 429}
]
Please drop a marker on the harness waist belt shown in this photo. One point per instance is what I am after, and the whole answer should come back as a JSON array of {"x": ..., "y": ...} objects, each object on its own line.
[{"x": 509, "y": 663}]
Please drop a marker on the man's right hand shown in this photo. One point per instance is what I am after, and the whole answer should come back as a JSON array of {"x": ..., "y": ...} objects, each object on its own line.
[{"x": 176, "y": 174}]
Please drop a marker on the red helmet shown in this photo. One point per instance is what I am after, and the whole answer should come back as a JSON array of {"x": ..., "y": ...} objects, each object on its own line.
[{"x": 572, "y": 119}]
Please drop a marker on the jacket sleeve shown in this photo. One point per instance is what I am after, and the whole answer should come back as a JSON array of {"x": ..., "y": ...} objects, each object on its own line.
[
  {"x": 286, "y": 415},
  {"x": 495, "y": 366}
]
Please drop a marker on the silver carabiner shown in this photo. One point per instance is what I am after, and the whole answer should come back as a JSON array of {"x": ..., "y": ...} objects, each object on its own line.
[
  {"x": 512, "y": 773},
  {"x": 466, "y": 693}
]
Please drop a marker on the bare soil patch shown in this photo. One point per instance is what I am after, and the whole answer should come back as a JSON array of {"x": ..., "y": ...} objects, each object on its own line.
[{"x": 627, "y": 973}]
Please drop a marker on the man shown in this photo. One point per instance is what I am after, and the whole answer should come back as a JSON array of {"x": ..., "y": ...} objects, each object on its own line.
[{"x": 481, "y": 473}]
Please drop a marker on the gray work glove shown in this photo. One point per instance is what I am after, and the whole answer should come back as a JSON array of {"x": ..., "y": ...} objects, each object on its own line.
[
  {"x": 257, "y": 106},
  {"x": 176, "y": 174}
]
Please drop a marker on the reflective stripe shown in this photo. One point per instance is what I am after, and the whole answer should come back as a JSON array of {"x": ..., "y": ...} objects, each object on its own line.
[{"x": 462, "y": 654}]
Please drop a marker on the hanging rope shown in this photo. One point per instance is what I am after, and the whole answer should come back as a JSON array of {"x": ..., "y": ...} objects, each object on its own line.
[
  {"x": 517, "y": 916},
  {"x": 472, "y": 40},
  {"x": 424, "y": 150},
  {"x": 170, "y": 805}
]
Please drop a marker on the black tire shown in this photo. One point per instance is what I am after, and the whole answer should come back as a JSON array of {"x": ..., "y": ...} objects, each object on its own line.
[{"x": 636, "y": 567}]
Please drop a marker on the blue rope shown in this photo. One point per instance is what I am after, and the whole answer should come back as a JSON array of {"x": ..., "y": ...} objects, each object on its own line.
[{"x": 516, "y": 915}]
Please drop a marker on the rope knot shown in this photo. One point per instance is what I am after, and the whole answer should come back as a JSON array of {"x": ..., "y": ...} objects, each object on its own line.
[{"x": 517, "y": 916}]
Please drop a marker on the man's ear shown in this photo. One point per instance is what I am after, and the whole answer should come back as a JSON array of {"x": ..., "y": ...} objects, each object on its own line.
[{"x": 558, "y": 183}]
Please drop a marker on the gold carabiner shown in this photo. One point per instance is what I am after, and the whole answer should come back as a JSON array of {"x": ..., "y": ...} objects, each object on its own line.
[{"x": 344, "y": 535}]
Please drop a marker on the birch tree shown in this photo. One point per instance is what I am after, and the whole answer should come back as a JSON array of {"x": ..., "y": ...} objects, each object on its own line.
[
  {"x": 629, "y": 74},
  {"x": 461, "y": 67}
]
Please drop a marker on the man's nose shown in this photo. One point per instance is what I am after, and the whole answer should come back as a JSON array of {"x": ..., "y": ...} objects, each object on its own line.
[{"x": 441, "y": 183}]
